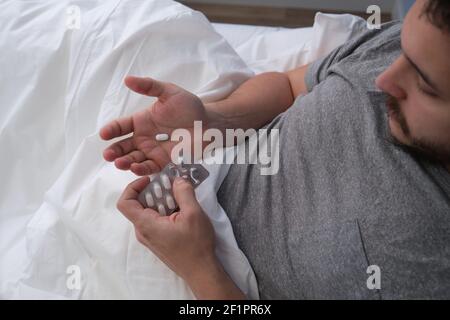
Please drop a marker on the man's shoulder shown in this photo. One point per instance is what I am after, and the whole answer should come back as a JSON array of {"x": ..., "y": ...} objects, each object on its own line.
[
  {"x": 364, "y": 38},
  {"x": 372, "y": 48},
  {"x": 360, "y": 60}
]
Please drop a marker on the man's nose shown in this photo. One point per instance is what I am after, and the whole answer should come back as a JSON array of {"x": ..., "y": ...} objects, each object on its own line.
[{"x": 390, "y": 81}]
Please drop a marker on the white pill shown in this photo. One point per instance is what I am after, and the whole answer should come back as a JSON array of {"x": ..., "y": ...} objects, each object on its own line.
[
  {"x": 166, "y": 181},
  {"x": 149, "y": 199},
  {"x": 161, "y": 209},
  {"x": 162, "y": 137},
  {"x": 170, "y": 202},
  {"x": 157, "y": 190}
]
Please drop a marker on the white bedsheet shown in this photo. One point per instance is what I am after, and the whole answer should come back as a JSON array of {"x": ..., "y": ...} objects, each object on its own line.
[
  {"x": 58, "y": 196},
  {"x": 281, "y": 49}
]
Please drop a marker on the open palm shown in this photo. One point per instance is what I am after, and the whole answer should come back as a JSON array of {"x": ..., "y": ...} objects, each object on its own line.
[{"x": 141, "y": 152}]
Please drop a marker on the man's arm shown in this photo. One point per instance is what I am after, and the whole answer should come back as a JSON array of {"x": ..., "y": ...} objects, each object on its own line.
[
  {"x": 211, "y": 282},
  {"x": 255, "y": 103},
  {"x": 297, "y": 80},
  {"x": 258, "y": 100}
]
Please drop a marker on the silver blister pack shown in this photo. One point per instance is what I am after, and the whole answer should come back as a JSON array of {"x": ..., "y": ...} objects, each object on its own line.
[{"x": 158, "y": 194}]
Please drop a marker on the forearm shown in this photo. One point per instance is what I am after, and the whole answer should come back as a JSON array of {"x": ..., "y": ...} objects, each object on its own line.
[
  {"x": 211, "y": 282},
  {"x": 256, "y": 102}
]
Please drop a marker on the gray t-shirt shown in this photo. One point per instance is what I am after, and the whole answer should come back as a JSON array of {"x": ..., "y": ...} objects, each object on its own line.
[{"x": 345, "y": 198}]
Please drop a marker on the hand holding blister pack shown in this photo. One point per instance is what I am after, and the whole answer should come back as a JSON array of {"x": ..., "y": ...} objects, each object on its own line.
[{"x": 158, "y": 194}]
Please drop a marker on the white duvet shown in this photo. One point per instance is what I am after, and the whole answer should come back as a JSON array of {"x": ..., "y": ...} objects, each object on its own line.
[{"x": 58, "y": 86}]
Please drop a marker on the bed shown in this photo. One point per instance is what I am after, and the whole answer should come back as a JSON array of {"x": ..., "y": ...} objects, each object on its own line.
[{"x": 60, "y": 82}]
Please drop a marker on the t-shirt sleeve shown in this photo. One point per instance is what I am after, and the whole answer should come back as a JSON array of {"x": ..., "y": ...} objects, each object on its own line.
[{"x": 318, "y": 70}]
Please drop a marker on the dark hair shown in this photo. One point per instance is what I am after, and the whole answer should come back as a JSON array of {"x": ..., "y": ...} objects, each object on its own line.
[{"x": 438, "y": 13}]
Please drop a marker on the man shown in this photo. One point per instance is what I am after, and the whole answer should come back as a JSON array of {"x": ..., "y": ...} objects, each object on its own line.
[{"x": 361, "y": 182}]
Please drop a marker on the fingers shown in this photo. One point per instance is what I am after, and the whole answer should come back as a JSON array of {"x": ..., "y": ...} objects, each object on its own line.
[
  {"x": 185, "y": 196},
  {"x": 119, "y": 149},
  {"x": 117, "y": 128},
  {"x": 128, "y": 203},
  {"x": 144, "y": 168},
  {"x": 150, "y": 87},
  {"x": 125, "y": 162},
  {"x": 145, "y": 86}
]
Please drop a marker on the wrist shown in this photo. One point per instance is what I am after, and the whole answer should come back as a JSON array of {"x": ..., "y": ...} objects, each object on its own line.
[
  {"x": 217, "y": 119},
  {"x": 209, "y": 265},
  {"x": 210, "y": 281}
]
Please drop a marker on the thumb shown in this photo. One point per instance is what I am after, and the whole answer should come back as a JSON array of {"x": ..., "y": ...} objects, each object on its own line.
[
  {"x": 184, "y": 195},
  {"x": 150, "y": 87}
]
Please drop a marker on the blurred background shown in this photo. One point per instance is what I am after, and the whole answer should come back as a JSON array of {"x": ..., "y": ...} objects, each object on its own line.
[{"x": 291, "y": 13}]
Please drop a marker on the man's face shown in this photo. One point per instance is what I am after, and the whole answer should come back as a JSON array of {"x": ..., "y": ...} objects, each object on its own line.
[{"x": 418, "y": 84}]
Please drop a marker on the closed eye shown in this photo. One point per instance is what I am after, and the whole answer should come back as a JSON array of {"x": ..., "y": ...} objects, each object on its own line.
[{"x": 425, "y": 90}]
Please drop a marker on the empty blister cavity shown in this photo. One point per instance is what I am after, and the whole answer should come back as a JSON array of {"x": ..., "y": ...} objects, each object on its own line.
[{"x": 193, "y": 172}]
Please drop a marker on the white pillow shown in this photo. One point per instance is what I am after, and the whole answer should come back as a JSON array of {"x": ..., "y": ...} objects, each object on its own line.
[{"x": 281, "y": 49}]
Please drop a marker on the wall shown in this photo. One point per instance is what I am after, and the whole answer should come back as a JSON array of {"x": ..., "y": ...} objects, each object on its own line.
[
  {"x": 350, "y": 5},
  {"x": 401, "y": 8}
]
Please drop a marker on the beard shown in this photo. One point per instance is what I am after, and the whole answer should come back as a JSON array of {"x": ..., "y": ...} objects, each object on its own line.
[{"x": 420, "y": 147}]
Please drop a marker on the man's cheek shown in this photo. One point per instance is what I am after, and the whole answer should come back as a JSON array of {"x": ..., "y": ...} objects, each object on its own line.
[
  {"x": 418, "y": 116},
  {"x": 425, "y": 122},
  {"x": 397, "y": 131}
]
